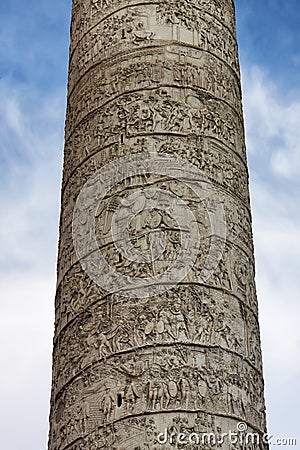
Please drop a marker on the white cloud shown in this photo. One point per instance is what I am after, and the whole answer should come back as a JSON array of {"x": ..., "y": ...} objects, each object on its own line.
[
  {"x": 273, "y": 120},
  {"x": 273, "y": 138},
  {"x": 31, "y": 148},
  {"x": 26, "y": 317}
]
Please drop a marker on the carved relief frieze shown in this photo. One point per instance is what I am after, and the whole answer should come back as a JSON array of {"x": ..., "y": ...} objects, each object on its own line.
[
  {"x": 159, "y": 111},
  {"x": 188, "y": 315},
  {"x": 102, "y": 85},
  {"x": 160, "y": 379},
  {"x": 86, "y": 15},
  {"x": 129, "y": 28}
]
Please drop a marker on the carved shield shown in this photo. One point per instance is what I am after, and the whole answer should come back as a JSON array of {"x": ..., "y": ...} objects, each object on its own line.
[
  {"x": 154, "y": 220},
  {"x": 160, "y": 327},
  {"x": 172, "y": 388},
  {"x": 149, "y": 328}
]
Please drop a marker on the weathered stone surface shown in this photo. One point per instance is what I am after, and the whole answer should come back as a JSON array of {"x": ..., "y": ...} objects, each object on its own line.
[{"x": 157, "y": 77}]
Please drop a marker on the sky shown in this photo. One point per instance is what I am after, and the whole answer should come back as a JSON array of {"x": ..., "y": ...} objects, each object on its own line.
[{"x": 34, "y": 40}]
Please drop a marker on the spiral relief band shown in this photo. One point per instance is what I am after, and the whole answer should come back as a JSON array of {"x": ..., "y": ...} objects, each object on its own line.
[{"x": 152, "y": 200}]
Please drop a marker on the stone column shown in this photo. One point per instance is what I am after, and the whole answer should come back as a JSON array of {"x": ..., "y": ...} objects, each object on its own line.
[{"x": 180, "y": 358}]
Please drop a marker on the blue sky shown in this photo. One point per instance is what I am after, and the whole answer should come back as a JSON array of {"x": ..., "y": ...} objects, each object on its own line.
[
  {"x": 269, "y": 35},
  {"x": 33, "y": 66}
]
